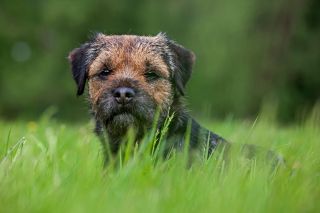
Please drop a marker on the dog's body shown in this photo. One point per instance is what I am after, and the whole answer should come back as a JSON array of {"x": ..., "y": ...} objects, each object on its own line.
[{"x": 130, "y": 79}]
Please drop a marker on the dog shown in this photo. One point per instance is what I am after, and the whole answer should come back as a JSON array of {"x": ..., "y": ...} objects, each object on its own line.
[{"x": 133, "y": 78}]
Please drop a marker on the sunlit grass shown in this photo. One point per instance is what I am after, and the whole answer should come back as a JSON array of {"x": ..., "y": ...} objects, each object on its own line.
[{"x": 48, "y": 166}]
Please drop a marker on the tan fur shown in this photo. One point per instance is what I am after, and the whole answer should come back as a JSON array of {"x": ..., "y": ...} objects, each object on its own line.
[{"x": 126, "y": 57}]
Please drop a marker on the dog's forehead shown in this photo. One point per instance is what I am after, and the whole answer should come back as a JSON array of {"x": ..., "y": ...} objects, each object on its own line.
[
  {"x": 126, "y": 41},
  {"x": 125, "y": 50}
]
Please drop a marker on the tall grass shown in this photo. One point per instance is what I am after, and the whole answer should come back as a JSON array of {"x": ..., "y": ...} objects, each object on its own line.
[{"x": 49, "y": 166}]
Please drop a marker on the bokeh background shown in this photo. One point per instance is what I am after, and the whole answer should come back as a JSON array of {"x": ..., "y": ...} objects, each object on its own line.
[{"x": 249, "y": 52}]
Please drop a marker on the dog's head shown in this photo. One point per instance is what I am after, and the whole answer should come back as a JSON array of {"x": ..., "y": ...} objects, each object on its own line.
[{"x": 131, "y": 77}]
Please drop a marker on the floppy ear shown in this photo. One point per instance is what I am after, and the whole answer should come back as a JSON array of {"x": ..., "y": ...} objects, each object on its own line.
[
  {"x": 184, "y": 62},
  {"x": 78, "y": 60}
]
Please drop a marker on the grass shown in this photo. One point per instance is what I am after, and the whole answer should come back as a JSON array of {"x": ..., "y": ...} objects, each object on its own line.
[{"x": 48, "y": 166}]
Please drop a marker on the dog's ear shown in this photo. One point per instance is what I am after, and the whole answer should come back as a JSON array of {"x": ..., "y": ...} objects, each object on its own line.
[
  {"x": 78, "y": 61},
  {"x": 184, "y": 63},
  {"x": 81, "y": 58}
]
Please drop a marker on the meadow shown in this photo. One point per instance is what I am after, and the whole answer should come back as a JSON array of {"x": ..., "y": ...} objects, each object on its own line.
[{"x": 53, "y": 166}]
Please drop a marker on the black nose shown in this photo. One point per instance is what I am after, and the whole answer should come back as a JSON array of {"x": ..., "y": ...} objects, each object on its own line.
[{"x": 123, "y": 95}]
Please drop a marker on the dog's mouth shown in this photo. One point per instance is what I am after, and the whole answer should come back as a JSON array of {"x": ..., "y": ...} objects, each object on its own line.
[
  {"x": 122, "y": 111},
  {"x": 123, "y": 117},
  {"x": 121, "y": 114},
  {"x": 139, "y": 112}
]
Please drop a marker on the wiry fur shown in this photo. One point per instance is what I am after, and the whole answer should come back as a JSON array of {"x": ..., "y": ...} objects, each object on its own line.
[{"x": 129, "y": 58}]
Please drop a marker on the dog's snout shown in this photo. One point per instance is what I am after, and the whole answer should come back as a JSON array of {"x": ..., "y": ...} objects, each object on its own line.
[{"x": 123, "y": 95}]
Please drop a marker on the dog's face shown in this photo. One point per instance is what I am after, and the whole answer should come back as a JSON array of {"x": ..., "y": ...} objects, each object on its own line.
[{"x": 131, "y": 77}]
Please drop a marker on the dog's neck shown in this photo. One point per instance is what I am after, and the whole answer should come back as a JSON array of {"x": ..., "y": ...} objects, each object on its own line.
[{"x": 181, "y": 125}]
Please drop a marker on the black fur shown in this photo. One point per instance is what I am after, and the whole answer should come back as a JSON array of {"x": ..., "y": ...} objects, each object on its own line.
[
  {"x": 80, "y": 59},
  {"x": 184, "y": 63},
  {"x": 142, "y": 111},
  {"x": 110, "y": 117}
]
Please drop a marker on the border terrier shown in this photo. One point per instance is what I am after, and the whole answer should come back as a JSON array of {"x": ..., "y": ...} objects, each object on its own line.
[{"x": 131, "y": 79}]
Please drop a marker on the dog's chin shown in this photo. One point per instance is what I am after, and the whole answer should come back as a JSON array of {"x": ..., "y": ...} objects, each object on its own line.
[
  {"x": 123, "y": 119},
  {"x": 121, "y": 122}
]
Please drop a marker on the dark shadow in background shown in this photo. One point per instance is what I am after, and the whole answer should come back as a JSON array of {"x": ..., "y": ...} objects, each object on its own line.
[{"x": 248, "y": 51}]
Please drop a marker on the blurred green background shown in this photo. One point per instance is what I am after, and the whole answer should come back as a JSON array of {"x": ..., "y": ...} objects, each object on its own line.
[{"x": 249, "y": 52}]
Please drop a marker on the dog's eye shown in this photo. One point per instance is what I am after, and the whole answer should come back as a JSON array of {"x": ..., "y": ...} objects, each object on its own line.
[
  {"x": 104, "y": 72},
  {"x": 151, "y": 76}
]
